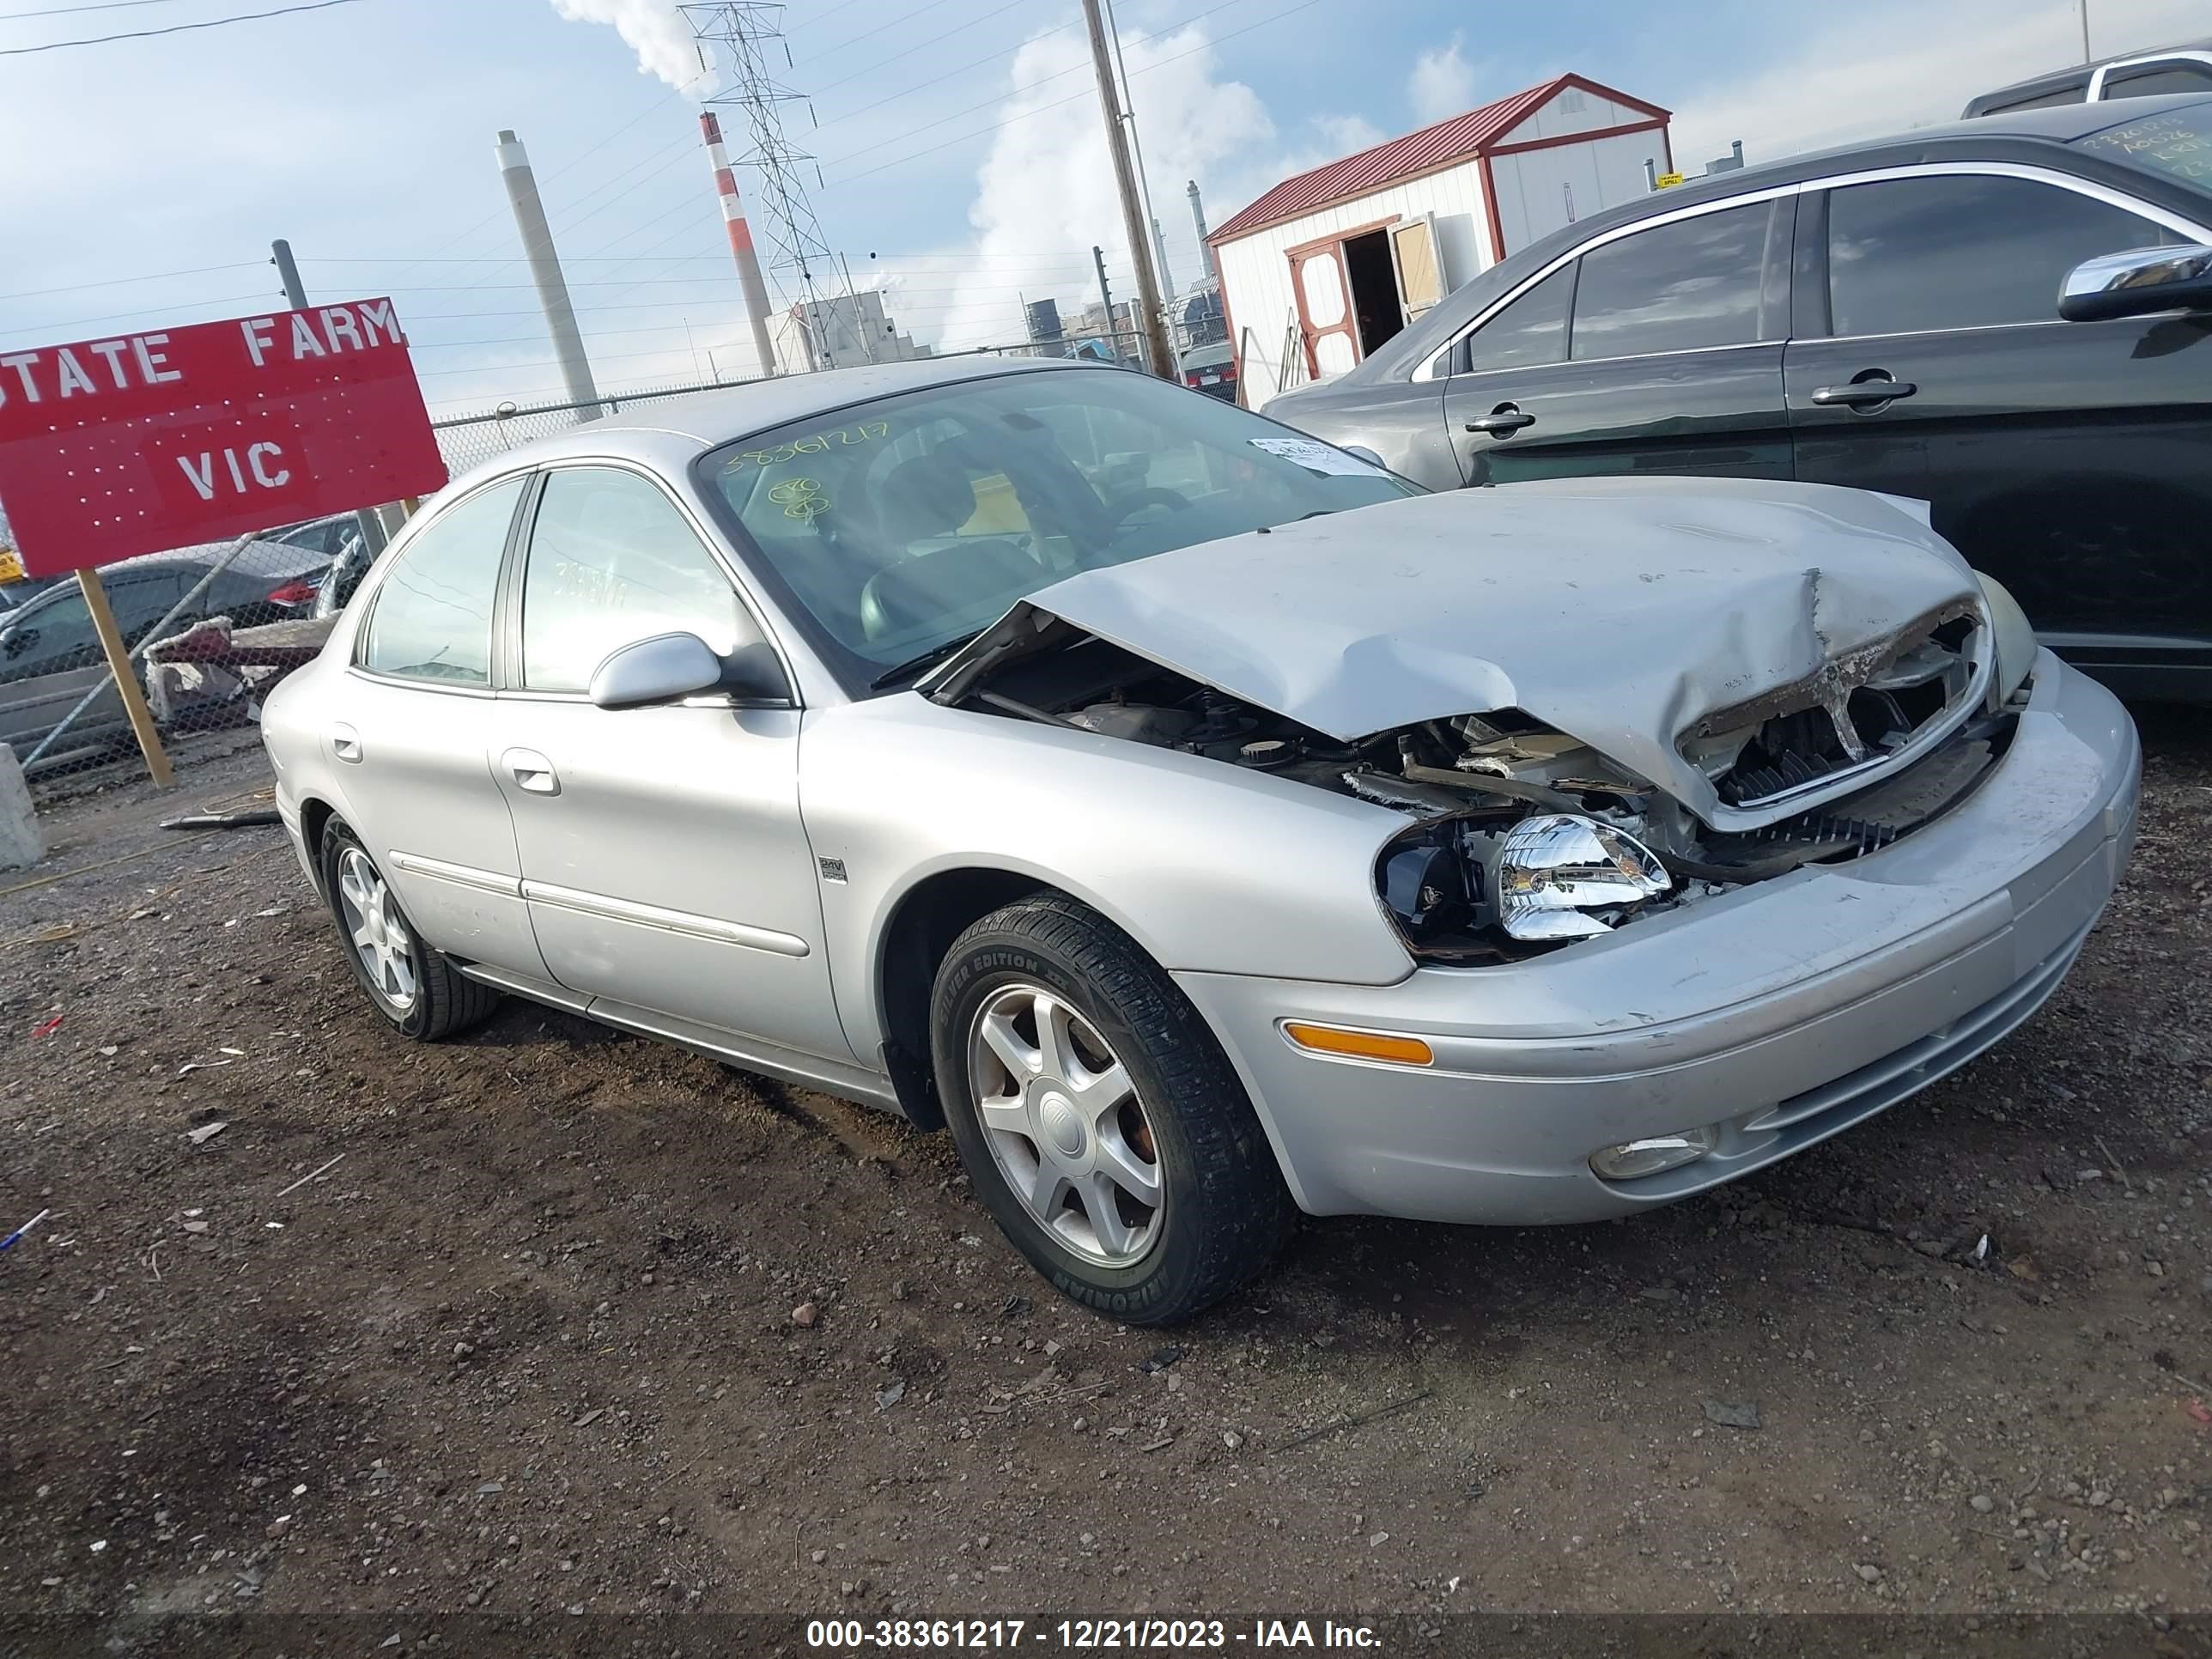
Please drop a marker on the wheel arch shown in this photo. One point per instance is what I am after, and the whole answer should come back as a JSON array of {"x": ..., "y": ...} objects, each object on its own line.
[
  {"x": 922, "y": 924},
  {"x": 315, "y": 815}
]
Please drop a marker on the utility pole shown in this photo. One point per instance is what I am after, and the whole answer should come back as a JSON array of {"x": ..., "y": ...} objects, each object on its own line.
[
  {"x": 1106, "y": 301},
  {"x": 295, "y": 296},
  {"x": 2085, "y": 31},
  {"x": 1161, "y": 360},
  {"x": 546, "y": 272}
]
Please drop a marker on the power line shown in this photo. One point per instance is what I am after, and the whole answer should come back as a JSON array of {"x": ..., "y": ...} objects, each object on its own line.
[
  {"x": 174, "y": 28},
  {"x": 118, "y": 282},
  {"x": 71, "y": 11},
  {"x": 960, "y": 29}
]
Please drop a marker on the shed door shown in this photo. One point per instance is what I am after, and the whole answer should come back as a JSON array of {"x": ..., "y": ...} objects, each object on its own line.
[
  {"x": 1420, "y": 270},
  {"x": 1324, "y": 310}
]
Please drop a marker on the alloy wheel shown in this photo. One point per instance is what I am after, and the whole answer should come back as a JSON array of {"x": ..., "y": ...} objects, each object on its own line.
[
  {"x": 1065, "y": 1125},
  {"x": 377, "y": 934}
]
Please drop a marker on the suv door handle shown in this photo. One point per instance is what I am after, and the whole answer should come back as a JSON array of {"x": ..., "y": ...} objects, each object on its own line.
[
  {"x": 1502, "y": 421},
  {"x": 1878, "y": 388},
  {"x": 532, "y": 771},
  {"x": 345, "y": 744}
]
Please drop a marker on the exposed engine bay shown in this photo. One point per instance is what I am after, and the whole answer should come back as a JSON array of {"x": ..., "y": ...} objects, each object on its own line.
[{"x": 1521, "y": 836}]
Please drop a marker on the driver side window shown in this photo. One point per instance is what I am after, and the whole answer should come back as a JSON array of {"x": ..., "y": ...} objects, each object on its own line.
[{"x": 612, "y": 562}]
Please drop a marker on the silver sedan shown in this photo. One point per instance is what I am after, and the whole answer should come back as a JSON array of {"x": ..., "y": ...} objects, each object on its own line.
[{"x": 1201, "y": 823}]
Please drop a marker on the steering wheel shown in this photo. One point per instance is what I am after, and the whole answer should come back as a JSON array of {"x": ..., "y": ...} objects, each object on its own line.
[{"x": 1143, "y": 498}]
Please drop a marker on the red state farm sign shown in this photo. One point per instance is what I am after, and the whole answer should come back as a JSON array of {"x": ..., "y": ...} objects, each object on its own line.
[{"x": 140, "y": 442}]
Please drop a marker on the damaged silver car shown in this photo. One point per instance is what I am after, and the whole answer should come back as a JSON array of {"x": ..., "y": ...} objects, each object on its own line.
[{"x": 1199, "y": 822}]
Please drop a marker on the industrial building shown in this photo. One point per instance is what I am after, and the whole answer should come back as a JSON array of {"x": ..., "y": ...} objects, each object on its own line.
[
  {"x": 841, "y": 331},
  {"x": 1322, "y": 269}
]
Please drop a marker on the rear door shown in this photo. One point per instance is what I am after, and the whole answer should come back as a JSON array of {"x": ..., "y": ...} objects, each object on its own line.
[
  {"x": 2067, "y": 459},
  {"x": 1656, "y": 349},
  {"x": 413, "y": 749}
]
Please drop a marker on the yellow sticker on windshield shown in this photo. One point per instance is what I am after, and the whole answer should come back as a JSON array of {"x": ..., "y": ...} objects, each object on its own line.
[
  {"x": 799, "y": 498},
  {"x": 813, "y": 444}
]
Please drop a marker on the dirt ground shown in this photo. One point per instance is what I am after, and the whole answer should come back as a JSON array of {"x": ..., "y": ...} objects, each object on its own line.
[{"x": 526, "y": 1343}]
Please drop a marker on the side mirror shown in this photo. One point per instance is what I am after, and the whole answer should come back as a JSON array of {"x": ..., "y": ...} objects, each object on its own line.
[
  {"x": 2137, "y": 283},
  {"x": 670, "y": 667},
  {"x": 1365, "y": 454}
]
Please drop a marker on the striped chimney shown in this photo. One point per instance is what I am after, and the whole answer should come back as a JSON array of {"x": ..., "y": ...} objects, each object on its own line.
[{"x": 741, "y": 238}]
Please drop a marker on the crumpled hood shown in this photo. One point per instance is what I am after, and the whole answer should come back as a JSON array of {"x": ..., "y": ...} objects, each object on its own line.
[{"x": 1618, "y": 611}]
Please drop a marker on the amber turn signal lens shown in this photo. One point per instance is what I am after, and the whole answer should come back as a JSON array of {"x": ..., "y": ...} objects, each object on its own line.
[{"x": 1360, "y": 1045}]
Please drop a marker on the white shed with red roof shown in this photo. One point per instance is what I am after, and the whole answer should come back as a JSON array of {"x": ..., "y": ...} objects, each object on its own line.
[{"x": 1326, "y": 266}]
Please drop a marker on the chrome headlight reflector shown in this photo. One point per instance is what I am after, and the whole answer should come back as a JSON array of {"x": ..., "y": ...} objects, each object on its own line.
[{"x": 1550, "y": 871}]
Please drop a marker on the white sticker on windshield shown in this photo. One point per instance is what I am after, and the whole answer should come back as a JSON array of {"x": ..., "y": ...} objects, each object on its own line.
[{"x": 1318, "y": 457}]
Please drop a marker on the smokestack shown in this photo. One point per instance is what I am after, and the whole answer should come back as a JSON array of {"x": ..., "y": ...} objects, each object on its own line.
[
  {"x": 545, "y": 269},
  {"x": 741, "y": 238},
  {"x": 1198, "y": 218}
]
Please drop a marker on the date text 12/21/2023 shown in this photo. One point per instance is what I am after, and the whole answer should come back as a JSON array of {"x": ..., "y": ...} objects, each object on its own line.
[{"x": 1085, "y": 1635}]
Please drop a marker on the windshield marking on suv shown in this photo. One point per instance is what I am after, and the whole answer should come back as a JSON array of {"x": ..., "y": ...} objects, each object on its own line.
[{"x": 2177, "y": 142}]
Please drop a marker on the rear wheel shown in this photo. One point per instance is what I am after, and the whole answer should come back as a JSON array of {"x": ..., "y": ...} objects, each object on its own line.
[
  {"x": 1098, "y": 1119},
  {"x": 419, "y": 992}
]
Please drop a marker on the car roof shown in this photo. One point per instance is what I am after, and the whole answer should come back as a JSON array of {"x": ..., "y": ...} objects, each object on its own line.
[
  {"x": 2075, "y": 75},
  {"x": 670, "y": 431},
  {"x": 2016, "y": 136}
]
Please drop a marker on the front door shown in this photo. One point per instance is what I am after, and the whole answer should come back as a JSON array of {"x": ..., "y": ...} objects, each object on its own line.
[
  {"x": 2067, "y": 459},
  {"x": 1657, "y": 352},
  {"x": 415, "y": 734},
  {"x": 662, "y": 857}
]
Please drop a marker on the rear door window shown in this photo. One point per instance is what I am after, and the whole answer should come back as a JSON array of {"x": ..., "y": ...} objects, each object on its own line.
[
  {"x": 433, "y": 615},
  {"x": 1907, "y": 255}
]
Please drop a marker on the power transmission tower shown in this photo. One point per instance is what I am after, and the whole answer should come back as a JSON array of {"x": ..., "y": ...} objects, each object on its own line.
[{"x": 742, "y": 37}]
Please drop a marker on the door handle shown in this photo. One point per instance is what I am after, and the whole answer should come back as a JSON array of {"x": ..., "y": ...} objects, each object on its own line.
[
  {"x": 1876, "y": 388},
  {"x": 345, "y": 744},
  {"x": 1502, "y": 421},
  {"x": 532, "y": 771}
]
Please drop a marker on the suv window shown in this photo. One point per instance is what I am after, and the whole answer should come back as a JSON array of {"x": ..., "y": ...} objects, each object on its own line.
[
  {"x": 2154, "y": 80},
  {"x": 1533, "y": 330},
  {"x": 1675, "y": 287},
  {"x": 433, "y": 615},
  {"x": 612, "y": 561},
  {"x": 1906, "y": 255}
]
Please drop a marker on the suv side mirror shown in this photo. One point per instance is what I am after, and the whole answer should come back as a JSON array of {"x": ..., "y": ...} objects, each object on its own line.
[{"x": 2137, "y": 283}]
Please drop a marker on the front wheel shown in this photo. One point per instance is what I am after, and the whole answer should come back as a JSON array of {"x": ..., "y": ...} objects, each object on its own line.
[{"x": 1100, "y": 1122}]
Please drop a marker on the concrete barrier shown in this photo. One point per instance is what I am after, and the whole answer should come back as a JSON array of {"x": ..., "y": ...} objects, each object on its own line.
[{"x": 22, "y": 846}]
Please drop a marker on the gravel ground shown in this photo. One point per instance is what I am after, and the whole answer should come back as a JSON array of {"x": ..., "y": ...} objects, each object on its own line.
[{"x": 552, "y": 1320}]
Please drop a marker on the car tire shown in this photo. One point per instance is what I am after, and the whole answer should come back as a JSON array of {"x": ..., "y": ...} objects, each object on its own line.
[
  {"x": 420, "y": 993},
  {"x": 1133, "y": 1094}
]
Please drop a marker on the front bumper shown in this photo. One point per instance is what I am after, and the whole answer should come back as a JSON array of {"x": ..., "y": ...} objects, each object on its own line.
[{"x": 1780, "y": 1013}]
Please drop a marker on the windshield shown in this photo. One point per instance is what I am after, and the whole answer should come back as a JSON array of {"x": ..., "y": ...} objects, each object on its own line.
[
  {"x": 897, "y": 526},
  {"x": 2174, "y": 142}
]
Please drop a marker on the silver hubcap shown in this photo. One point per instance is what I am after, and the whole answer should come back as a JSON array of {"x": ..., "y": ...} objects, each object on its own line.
[
  {"x": 1065, "y": 1126},
  {"x": 373, "y": 923}
]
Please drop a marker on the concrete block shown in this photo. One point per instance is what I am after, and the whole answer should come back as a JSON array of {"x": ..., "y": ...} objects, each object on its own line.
[{"x": 22, "y": 845}]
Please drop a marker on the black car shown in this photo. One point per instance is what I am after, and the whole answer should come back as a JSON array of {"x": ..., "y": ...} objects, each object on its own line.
[{"x": 1887, "y": 316}]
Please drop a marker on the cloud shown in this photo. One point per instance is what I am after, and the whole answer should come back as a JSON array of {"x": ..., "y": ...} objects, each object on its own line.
[
  {"x": 1346, "y": 134},
  {"x": 657, "y": 32},
  {"x": 1045, "y": 191},
  {"x": 1442, "y": 84},
  {"x": 1847, "y": 80}
]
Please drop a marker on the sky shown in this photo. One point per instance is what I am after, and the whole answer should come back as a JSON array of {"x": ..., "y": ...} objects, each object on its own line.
[{"x": 961, "y": 153}]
